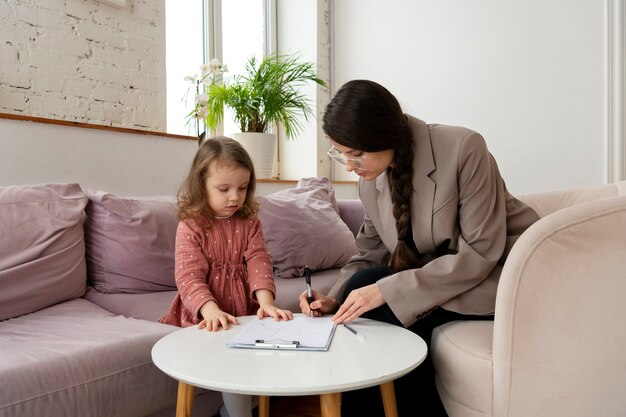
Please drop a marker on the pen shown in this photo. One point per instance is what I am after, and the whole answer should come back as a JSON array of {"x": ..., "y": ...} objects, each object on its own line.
[
  {"x": 357, "y": 334},
  {"x": 309, "y": 291}
]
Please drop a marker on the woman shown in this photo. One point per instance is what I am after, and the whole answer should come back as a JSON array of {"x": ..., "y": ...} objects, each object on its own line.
[{"x": 439, "y": 223}]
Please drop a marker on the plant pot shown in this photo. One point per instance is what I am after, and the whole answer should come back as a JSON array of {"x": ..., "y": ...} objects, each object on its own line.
[{"x": 262, "y": 149}]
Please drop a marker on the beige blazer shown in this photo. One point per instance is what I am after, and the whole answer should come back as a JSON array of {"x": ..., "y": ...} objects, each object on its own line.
[{"x": 458, "y": 195}]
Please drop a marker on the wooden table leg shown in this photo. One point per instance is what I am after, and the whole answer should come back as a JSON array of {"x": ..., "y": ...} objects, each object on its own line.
[
  {"x": 184, "y": 402},
  {"x": 264, "y": 406},
  {"x": 331, "y": 404},
  {"x": 389, "y": 399}
]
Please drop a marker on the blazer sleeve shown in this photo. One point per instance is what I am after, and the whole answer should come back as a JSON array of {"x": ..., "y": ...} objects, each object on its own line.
[
  {"x": 372, "y": 252},
  {"x": 191, "y": 268},
  {"x": 481, "y": 215}
]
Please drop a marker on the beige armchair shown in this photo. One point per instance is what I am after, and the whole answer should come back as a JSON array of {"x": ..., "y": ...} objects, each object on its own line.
[{"x": 557, "y": 346}]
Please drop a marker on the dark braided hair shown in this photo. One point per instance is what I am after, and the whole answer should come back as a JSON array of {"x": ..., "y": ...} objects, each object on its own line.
[{"x": 365, "y": 116}]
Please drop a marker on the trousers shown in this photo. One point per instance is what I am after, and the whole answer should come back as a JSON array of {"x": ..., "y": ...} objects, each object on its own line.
[{"x": 416, "y": 393}]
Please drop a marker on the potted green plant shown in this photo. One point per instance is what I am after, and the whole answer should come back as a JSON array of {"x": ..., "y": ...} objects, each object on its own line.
[{"x": 267, "y": 93}]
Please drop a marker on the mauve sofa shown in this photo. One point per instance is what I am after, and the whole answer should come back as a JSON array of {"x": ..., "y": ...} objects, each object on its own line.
[{"x": 85, "y": 276}]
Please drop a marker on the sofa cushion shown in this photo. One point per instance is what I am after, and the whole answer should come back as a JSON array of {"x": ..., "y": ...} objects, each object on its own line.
[
  {"x": 130, "y": 243},
  {"x": 77, "y": 359},
  {"x": 149, "y": 306},
  {"x": 152, "y": 306},
  {"x": 462, "y": 356},
  {"x": 302, "y": 228},
  {"x": 42, "y": 248}
]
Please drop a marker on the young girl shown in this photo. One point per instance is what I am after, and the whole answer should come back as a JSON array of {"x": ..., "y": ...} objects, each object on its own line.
[{"x": 223, "y": 268}]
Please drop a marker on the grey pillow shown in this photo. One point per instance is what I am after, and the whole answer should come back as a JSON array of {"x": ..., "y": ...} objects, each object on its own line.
[
  {"x": 130, "y": 243},
  {"x": 302, "y": 228},
  {"x": 42, "y": 250}
]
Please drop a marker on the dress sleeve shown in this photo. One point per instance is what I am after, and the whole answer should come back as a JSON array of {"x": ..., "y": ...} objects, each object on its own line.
[
  {"x": 192, "y": 268},
  {"x": 480, "y": 244},
  {"x": 258, "y": 260}
]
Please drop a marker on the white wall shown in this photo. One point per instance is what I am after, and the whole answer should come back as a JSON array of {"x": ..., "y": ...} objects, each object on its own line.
[
  {"x": 124, "y": 164},
  {"x": 121, "y": 163},
  {"x": 531, "y": 76}
]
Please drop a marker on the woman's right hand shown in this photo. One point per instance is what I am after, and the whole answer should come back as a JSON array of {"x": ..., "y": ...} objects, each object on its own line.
[
  {"x": 214, "y": 317},
  {"x": 323, "y": 304}
]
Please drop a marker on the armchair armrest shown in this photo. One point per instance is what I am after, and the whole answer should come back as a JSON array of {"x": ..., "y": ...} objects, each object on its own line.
[{"x": 559, "y": 333}]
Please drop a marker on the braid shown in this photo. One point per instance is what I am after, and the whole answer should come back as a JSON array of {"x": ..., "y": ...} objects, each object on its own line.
[{"x": 406, "y": 255}]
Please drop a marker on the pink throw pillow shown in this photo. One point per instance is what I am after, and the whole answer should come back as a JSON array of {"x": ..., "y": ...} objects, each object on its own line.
[
  {"x": 42, "y": 250},
  {"x": 130, "y": 243},
  {"x": 302, "y": 228}
]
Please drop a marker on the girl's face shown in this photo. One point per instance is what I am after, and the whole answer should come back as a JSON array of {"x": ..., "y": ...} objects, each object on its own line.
[
  {"x": 226, "y": 187},
  {"x": 370, "y": 164}
]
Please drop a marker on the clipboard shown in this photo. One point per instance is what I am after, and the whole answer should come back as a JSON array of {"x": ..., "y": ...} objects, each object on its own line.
[{"x": 301, "y": 333}]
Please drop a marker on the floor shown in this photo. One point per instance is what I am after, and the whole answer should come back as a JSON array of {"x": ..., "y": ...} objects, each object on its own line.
[{"x": 305, "y": 406}]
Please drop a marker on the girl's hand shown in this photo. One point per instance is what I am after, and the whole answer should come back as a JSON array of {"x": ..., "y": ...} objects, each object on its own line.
[
  {"x": 323, "y": 304},
  {"x": 271, "y": 310},
  {"x": 214, "y": 317},
  {"x": 358, "y": 302}
]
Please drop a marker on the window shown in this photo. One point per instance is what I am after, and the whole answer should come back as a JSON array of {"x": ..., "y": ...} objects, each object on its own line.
[
  {"x": 184, "y": 46},
  {"x": 198, "y": 31}
]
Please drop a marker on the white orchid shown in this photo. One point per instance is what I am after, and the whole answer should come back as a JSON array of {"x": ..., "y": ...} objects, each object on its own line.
[
  {"x": 217, "y": 67},
  {"x": 201, "y": 112},
  {"x": 212, "y": 70},
  {"x": 202, "y": 98},
  {"x": 208, "y": 75}
]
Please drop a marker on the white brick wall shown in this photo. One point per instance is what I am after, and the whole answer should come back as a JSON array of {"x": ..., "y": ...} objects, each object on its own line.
[{"x": 84, "y": 61}]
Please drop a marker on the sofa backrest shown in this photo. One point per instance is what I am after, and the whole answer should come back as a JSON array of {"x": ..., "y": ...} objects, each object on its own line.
[
  {"x": 42, "y": 248},
  {"x": 55, "y": 238},
  {"x": 130, "y": 240},
  {"x": 548, "y": 202},
  {"x": 352, "y": 213}
]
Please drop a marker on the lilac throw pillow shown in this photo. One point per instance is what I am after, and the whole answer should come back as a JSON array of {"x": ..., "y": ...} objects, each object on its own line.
[
  {"x": 302, "y": 228},
  {"x": 130, "y": 243},
  {"x": 42, "y": 250}
]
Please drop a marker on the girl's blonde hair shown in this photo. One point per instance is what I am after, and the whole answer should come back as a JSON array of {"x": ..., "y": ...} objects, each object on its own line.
[{"x": 192, "y": 195}]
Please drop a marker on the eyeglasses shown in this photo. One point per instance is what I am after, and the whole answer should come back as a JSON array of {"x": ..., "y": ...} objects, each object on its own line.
[{"x": 337, "y": 155}]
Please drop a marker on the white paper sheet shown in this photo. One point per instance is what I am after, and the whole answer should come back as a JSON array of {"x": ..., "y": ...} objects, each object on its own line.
[{"x": 310, "y": 333}]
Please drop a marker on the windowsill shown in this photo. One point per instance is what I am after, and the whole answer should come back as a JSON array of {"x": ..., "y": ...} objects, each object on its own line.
[{"x": 92, "y": 126}]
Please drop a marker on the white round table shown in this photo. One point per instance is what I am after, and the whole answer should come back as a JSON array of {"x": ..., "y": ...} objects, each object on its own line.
[{"x": 198, "y": 358}]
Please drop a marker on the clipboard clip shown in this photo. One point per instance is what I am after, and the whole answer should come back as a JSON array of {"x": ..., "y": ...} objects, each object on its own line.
[{"x": 276, "y": 344}]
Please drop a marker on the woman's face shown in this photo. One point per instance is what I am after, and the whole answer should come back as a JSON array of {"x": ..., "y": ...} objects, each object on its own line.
[{"x": 367, "y": 165}]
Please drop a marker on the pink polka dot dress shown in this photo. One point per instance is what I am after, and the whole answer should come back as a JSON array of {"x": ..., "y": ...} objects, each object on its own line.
[{"x": 223, "y": 260}]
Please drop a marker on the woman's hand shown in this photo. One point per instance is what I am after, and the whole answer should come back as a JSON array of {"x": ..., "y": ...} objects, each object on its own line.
[
  {"x": 214, "y": 317},
  {"x": 271, "y": 310},
  {"x": 323, "y": 304},
  {"x": 358, "y": 302}
]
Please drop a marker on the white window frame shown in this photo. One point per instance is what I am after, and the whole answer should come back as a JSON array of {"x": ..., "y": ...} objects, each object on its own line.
[{"x": 213, "y": 39}]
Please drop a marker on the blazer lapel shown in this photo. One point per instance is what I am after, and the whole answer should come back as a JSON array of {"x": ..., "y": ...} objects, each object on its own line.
[
  {"x": 423, "y": 198},
  {"x": 387, "y": 229}
]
